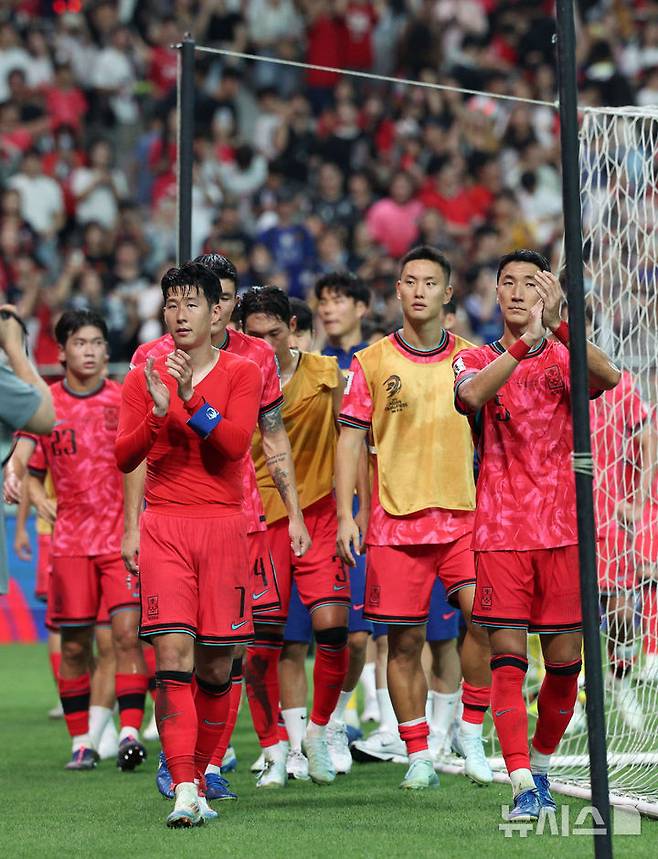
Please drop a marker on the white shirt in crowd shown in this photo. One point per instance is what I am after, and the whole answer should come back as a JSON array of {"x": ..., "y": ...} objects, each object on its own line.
[
  {"x": 101, "y": 205},
  {"x": 42, "y": 200}
]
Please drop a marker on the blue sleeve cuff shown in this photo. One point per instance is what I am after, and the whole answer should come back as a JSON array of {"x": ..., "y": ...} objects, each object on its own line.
[{"x": 204, "y": 420}]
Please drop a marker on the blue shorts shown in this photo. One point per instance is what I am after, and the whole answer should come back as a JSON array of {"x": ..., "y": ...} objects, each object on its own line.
[
  {"x": 299, "y": 627},
  {"x": 443, "y": 623}
]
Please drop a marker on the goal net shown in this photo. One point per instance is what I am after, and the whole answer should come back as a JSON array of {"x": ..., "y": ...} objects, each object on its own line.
[{"x": 619, "y": 194}]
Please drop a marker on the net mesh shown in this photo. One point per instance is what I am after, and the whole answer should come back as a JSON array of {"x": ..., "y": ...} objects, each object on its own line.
[{"x": 619, "y": 194}]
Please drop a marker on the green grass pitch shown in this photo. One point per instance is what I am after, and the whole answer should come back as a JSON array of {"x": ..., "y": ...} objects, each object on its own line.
[{"x": 47, "y": 812}]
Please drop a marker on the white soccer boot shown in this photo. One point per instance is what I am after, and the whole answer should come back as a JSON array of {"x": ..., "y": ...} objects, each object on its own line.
[
  {"x": 628, "y": 704},
  {"x": 297, "y": 765},
  {"x": 381, "y": 745},
  {"x": 186, "y": 809},
  {"x": 339, "y": 749},
  {"x": 476, "y": 765}
]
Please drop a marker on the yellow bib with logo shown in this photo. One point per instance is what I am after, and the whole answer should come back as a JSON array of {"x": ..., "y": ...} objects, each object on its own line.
[{"x": 424, "y": 447}]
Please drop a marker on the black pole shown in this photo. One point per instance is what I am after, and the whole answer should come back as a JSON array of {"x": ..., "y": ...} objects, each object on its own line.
[
  {"x": 573, "y": 245},
  {"x": 185, "y": 148}
]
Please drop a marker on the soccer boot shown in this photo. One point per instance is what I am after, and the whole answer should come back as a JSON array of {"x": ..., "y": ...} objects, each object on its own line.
[
  {"x": 420, "y": 776},
  {"x": 297, "y": 765},
  {"x": 217, "y": 787},
  {"x": 320, "y": 768},
  {"x": 259, "y": 764},
  {"x": 544, "y": 792},
  {"x": 381, "y": 745},
  {"x": 627, "y": 702},
  {"x": 476, "y": 765},
  {"x": 108, "y": 747},
  {"x": 207, "y": 812},
  {"x": 150, "y": 733},
  {"x": 187, "y": 811},
  {"x": 526, "y": 806},
  {"x": 339, "y": 749},
  {"x": 56, "y": 712},
  {"x": 274, "y": 774},
  {"x": 230, "y": 761},
  {"x": 163, "y": 778},
  {"x": 131, "y": 754},
  {"x": 83, "y": 759}
]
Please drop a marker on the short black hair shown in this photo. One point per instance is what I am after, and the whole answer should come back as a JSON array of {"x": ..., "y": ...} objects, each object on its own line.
[
  {"x": 429, "y": 253},
  {"x": 192, "y": 274},
  {"x": 344, "y": 283},
  {"x": 265, "y": 299},
  {"x": 450, "y": 306},
  {"x": 73, "y": 320},
  {"x": 220, "y": 266},
  {"x": 302, "y": 313},
  {"x": 523, "y": 255}
]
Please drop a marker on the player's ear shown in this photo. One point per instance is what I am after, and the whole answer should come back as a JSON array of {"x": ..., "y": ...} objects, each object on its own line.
[
  {"x": 448, "y": 293},
  {"x": 292, "y": 325},
  {"x": 215, "y": 313}
]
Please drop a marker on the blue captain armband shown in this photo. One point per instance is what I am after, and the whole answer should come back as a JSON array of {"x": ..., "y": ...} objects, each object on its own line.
[{"x": 204, "y": 420}]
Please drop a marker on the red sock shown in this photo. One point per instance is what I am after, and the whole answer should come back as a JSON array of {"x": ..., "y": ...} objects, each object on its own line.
[
  {"x": 262, "y": 680},
  {"x": 176, "y": 716},
  {"x": 149, "y": 659},
  {"x": 75, "y": 695},
  {"x": 555, "y": 704},
  {"x": 235, "y": 696},
  {"x": 508, "y": 708},
  {"x": 415, "y": 734},
  {"x": 650, "y": 619},
  {"x": 476, "y": 701},
  {"x": 329, "y": 670},
  {"x": 212, "y": 708},
  {"x": 131, "y": 694},
  {"x": 55, "y": 660},
  {"x": 282, "y": 733}
]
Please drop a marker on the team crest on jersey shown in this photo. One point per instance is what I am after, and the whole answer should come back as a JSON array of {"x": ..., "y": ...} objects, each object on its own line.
[
  {"x": 486, "y": 598},
  {"x": 553, "y": 377},
  {"x": 152, "y": 607},
  {"x": 393, "y": 386},
  {"x": 111, "y": 417}
]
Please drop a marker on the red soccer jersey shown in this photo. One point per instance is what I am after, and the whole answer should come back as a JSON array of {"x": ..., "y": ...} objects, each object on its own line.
[
  {"x": 615, "y": 418},
  {"x": 526, "y": 494},
  {"x": 433, "y": 526},
  {"x": 80, "y": 455},
  {"x": 262, "y": 354},
  {"x": 187, "y": 475}
]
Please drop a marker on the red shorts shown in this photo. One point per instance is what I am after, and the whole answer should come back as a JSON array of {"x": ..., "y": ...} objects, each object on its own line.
[
  {"x": 646, "y": 537},
  {"x": 102, "y": 618},
  {"x": 536, "y": 590},
  {"x": 616, "y": 561},
  {"x": 265, "y": 588},
  {"x": 78, "y": 585},
  {"x": 195, "y": 578},
  {"x": 44, "y": 566},
  {"x": 399, "y": 579},
  {"x": 320, "y": 575}
]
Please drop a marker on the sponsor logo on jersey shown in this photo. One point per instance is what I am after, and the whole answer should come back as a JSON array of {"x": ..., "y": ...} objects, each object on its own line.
[{"x": 235, "y": 626}]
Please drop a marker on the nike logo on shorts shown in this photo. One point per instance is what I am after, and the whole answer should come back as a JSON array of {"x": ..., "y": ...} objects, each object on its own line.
[
  {"x": 357, "y": 607},
  {"x": 238, "y": 625},
  {"x": 339, "y": 587},
  {"x": 169, "y": 716},
  {"x": 448, "y": 615},
  {"x": 261, "y": 594},
  {"x": 502, "y": 712}
]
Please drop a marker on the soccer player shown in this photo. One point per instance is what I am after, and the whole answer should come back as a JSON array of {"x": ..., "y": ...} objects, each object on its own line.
[
  {"x": 517, "y": 392},
  {"x": 312, "y": 388},
  {"x": 276, "y": 449},
  {"x": 191, "y": 415},
  {"x": 86, "y": 542},
  {"x": 423, "y": 498}
]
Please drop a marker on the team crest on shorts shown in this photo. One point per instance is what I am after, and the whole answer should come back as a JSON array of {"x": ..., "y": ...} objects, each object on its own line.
[
  {"x": 152, "y": 608},
  {"x": 373, "y": 596},
  {"x": 553, "y": 377},
  {"x": 486, "y": 598},
  {"x": 111, "y": 417}
]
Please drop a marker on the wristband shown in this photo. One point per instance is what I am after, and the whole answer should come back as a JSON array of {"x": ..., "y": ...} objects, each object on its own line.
[
  {"x": 519, "y": 350},
  {"x": 562, "y": 333},
  {"x": 204, "y": 420},
  {"x": 194, "y": 403}
]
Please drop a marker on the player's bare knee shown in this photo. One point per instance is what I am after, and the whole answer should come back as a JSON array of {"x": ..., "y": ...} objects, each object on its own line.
[
  {"x": 357, "y": 643},
  {"x": 76, "y": 647},
  {"x": 125, "y": 639},
  {"x": 174, "y": 653},
  {"x": 405, "y": 643}
]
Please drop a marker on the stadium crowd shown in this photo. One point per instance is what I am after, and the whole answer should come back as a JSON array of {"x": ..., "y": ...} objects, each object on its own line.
[{"x": 295, "y": 172}]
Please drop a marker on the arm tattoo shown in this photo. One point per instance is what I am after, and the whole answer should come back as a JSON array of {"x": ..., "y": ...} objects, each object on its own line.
[
  {"x": 280, "y": 477},
  {"x": 275, "y": 459},
  {"x": 271, "y": 421}
]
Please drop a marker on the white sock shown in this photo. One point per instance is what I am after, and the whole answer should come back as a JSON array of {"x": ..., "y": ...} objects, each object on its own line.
[
  {"x": 98, "y": 719},
  {"x": 423, "y": 755},
  {"x": 428, "y": 706},
  {"x": 213, "y": 769},
  {"x": 295, "y": 719},
  {"x": 521, "y": 780},
  {"x": 339, "y": 713},
  {"x": 81, "y": 740},
  {"x": 314, "y": 730},
  {"x": 128, "y": 731},
  {"x": 368, "y": 682},
  {"x": 444, "y": 705},
  {"x": 469, "y": 729},
  {"x": 388, "y": 721},
  {"x": 539, "y": 763}
]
